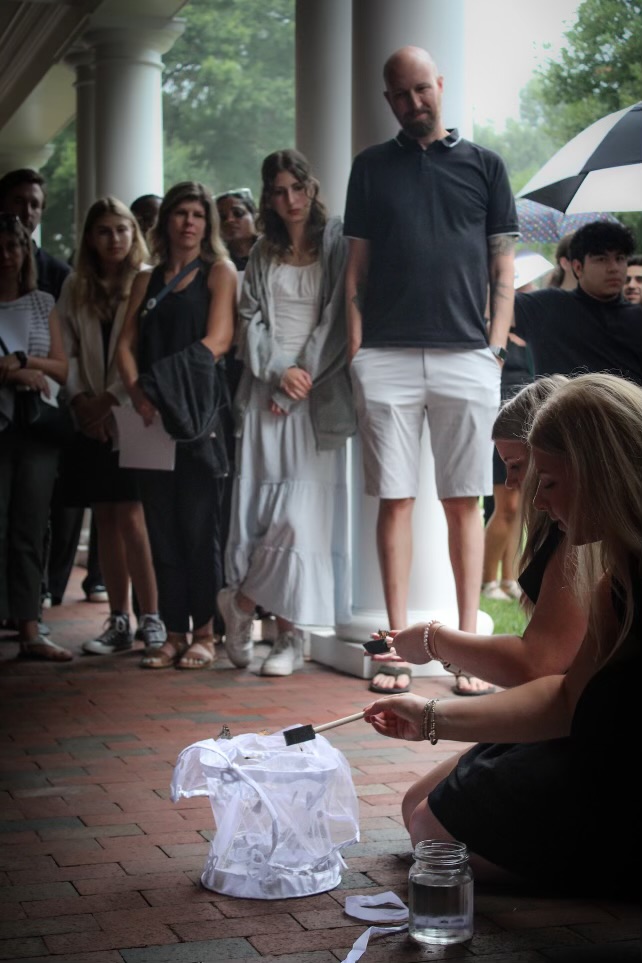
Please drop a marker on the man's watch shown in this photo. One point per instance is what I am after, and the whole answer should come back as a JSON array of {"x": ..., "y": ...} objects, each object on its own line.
[
  {"x": 500, "y": 353},
  {"x": 21, "y": 358}
]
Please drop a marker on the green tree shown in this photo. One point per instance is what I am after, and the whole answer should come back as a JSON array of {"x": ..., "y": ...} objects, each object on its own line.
[
  {"x": 228, "y": 92},
  {"x": 599, "y": 70},
  {"x": 58, "y": 235}
]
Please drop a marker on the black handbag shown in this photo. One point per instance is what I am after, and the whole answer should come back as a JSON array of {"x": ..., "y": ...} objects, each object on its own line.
[{"x": 50, "y": 423}]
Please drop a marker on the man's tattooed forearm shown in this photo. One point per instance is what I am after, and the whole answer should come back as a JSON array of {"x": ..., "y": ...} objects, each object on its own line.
[{"x": 501, "y": 244}]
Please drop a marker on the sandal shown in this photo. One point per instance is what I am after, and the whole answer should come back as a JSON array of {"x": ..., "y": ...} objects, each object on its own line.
[
  {"x": 388, "y": 668},
  {"x": 44, "y": 650},
  {"x": 167, "y": 655},
  {"x": 471, "y": 692},
  {"x": 201, "y": 654}
]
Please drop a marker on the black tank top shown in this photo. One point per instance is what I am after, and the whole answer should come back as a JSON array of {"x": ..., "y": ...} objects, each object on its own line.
[{"x": 178, "y": 321}]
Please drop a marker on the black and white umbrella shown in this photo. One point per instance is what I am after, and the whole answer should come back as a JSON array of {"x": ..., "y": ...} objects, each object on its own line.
[{"x": 598, "y": 170}]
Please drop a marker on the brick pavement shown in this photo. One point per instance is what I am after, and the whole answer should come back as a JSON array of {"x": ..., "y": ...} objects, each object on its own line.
[{"x": 98, "y": 866}]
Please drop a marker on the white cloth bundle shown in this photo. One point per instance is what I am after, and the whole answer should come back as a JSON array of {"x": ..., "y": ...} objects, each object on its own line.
[{"x": 282, "y": 813}]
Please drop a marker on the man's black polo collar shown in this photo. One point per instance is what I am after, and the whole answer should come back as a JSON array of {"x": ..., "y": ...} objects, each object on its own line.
[{"x": 409, "y": 143}]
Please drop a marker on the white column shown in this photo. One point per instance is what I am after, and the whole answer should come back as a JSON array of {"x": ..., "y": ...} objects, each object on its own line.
[
  {"x": 379, "y": 28},
  {"x": 128, "y": 105},
  {"x": 323, "y": 83},
  {"x": 83, "y": 63}
]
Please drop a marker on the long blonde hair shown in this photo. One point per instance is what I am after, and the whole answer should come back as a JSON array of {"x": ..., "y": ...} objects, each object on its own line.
[
  {"x": 595, "y": 423},
  {"x": 90, "y": 287}
]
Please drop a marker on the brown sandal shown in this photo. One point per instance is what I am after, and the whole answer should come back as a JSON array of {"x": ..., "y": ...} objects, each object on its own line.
[
  {"x": 201, "y": 654},
  {"x": 167, "y": 655}
]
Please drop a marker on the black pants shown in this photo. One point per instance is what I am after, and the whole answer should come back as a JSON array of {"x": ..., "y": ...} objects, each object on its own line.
[
  {"x": 183, "y": 517},
  {"x": 27, "y": 474}
]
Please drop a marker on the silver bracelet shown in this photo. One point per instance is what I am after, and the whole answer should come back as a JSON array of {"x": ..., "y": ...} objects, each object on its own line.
[
  {"x": 431, "y": 655},
  {"x": 447, "y": 665},
  {"x": 428, "y": 729}
]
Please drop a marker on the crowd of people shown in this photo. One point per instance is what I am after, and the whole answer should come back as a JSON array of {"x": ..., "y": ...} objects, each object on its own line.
[{"x": 262, "y": 338}]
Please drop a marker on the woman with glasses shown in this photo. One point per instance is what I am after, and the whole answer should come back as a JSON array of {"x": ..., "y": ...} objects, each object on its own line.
[
  {"x": 287, "y": 548},
  {"x": 32, "y": 359}
]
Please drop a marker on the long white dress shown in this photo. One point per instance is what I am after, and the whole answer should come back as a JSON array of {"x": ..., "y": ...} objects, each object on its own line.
[{"x": 288, "y": 543}]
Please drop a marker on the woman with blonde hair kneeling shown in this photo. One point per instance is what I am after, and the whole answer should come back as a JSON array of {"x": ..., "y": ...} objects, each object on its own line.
[{"x": 542, "y": 803}]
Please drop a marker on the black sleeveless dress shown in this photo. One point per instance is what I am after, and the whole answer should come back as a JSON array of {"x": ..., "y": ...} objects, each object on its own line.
[{"x": 563, "y": 812}]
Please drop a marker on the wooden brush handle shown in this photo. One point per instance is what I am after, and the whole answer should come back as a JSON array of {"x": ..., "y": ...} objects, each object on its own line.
[{"x": 339, "y": 722}]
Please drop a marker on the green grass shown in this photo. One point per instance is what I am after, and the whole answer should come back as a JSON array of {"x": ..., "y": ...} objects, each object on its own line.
[{"x": 508, "y": 617}]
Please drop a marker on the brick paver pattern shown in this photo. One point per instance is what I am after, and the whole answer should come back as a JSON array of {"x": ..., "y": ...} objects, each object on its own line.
[{"x": 97, "y": 865}]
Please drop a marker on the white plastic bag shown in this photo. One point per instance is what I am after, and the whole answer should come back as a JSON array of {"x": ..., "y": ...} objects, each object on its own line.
[{"x": 282, "y": 813}]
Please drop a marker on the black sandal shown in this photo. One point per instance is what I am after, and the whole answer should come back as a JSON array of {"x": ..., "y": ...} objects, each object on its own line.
[{"x": 388, "y": 668}]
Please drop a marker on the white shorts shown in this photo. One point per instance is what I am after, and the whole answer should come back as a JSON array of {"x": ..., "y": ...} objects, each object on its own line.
[{"x": 395, "y": 389}]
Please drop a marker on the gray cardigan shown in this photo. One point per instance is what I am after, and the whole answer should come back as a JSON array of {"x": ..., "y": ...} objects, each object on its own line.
[{"x": 323, "y": 355}]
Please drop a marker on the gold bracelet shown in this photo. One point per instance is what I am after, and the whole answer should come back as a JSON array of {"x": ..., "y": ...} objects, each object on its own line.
[
  {"x": 428, "y": 729},
  {"x": 432, "y": 652},
  {"x": 447, "y": 665}
]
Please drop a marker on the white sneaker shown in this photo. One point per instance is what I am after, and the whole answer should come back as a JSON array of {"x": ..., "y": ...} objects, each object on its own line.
[
  {"x": 512, "y": 589},
  {"x": 238, "y": 629},
  {"x": 286, "y": 655},
  {"x": 491, "y": 590}
]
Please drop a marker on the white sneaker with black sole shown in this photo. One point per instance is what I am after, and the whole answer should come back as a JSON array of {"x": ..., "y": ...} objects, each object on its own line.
[
  {"x": 286, "y": 655},
  {"x": 115, "y": 637}
]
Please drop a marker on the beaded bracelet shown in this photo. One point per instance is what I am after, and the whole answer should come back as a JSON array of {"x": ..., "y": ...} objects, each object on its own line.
[
  {"x": 431, "y": 655},
  {"x": 428, "y": 729},
  {"x": 432, "y": 652}
]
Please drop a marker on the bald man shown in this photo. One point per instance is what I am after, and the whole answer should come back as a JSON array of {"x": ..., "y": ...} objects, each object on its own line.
[{"x": 431, "y": 223}]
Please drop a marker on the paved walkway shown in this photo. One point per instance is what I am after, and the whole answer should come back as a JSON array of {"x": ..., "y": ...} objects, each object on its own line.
[{"x": 98, "y": 866}]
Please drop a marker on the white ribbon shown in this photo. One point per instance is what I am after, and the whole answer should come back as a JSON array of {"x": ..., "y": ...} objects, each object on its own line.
[{"x": 357, "y": 906}]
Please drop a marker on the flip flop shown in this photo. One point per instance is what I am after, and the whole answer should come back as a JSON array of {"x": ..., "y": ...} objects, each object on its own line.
[
  {"x": 472, "y": 692},
  {"x": 388, "y": 668}
]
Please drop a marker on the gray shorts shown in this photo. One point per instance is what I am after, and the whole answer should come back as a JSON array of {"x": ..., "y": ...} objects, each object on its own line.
[{"x": 458, "y": 392}]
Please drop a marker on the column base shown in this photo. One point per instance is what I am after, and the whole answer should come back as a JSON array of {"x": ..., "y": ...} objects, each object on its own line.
[{"x": 340, "y": 650}]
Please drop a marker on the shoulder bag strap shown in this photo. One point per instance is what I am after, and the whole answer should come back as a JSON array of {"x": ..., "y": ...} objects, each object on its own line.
[{"x": 154, "y": 302}]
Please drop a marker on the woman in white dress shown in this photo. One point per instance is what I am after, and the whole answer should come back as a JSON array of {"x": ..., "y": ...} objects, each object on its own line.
[{"x": 287, "y": 548}]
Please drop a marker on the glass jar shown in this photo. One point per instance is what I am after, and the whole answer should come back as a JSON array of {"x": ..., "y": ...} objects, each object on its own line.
[{"x": 440, "y": 893}]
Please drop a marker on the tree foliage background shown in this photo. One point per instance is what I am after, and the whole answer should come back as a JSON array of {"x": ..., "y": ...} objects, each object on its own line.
[{"x": 228, "y": 99}]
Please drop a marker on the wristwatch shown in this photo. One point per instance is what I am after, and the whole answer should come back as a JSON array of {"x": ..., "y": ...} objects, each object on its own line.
[
  {"x": 500, "y": 353},
  {"x": 21, "y": 358}
]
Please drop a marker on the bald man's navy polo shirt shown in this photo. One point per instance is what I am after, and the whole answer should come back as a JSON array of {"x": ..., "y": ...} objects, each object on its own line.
[{"x": 427, "y": 215}]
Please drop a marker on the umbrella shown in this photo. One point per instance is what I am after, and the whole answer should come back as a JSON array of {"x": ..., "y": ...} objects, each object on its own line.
[
  {"x": 530, "y": 266},
  {"x": 599, "y": 170},
  {"x": 537, "y": 222}
]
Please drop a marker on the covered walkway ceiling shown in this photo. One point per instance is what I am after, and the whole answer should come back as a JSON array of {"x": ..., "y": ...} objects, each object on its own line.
[{"x": 37, "y": 97}]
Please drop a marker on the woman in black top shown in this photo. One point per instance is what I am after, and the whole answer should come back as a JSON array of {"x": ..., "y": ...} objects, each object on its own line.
[
  {"x": 541, "y": 807},
  {"x": 183, "y": 507}
]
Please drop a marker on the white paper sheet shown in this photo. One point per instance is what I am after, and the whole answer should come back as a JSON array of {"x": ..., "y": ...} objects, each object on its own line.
[{"x": 142, "y": 446}]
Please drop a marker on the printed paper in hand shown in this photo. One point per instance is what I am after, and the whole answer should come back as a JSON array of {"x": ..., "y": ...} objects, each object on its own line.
[{"x": 141, "y": 446}]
